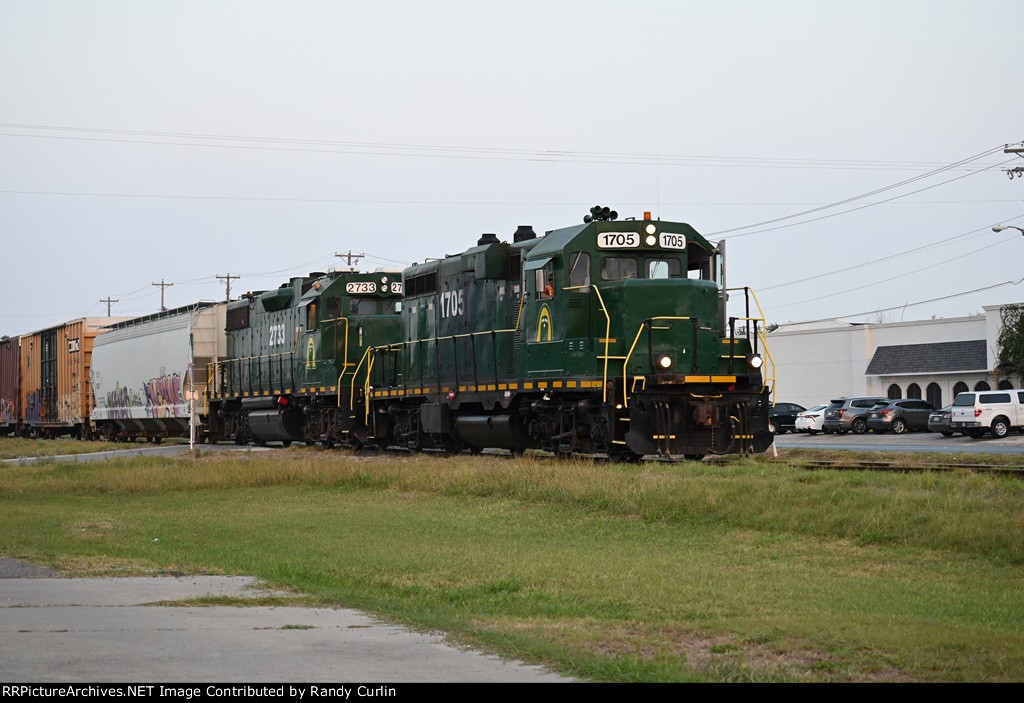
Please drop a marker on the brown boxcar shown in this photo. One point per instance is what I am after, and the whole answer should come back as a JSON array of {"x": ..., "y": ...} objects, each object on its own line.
[
  {"x": 55, "y": 386},
  {"x": 10, "y": 397}
]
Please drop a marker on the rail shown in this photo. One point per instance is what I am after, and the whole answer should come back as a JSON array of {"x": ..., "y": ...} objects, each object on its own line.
[{"x": 760, "y": 334}]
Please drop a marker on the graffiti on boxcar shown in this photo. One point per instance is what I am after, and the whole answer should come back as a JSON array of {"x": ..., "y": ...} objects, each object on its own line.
[
  {"x": 7, "y": 411},
  {"x": 163, "y": 396},
  {"x": 34, "y": 406},
  {"x": 121, "y": 400}
]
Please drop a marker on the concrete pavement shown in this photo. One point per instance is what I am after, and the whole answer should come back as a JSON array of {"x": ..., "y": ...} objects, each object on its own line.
[{"x": 58, "y": 630}]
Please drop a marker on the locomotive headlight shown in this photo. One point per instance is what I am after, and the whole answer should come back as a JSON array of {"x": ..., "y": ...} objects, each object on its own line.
[
  {"x": 665, "y": 362},
  {"x": 651, "y": 240},
  {"x": 755, "y": 361},
  {"x": 651, "y": 228}
]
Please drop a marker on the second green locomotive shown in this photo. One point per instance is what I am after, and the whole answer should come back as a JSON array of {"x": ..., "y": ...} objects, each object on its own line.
[
  {"x": 297, "y": 359},
  {"x": 608, "y": 338}
]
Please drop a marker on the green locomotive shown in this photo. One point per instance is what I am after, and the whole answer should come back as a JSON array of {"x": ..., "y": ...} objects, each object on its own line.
[
  {"x": 607, "y": 338},
  {"x": 295, "y": 366}
]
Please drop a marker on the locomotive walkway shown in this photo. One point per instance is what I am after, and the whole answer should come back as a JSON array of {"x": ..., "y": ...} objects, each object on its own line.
[{"x": 61, "y": 630}]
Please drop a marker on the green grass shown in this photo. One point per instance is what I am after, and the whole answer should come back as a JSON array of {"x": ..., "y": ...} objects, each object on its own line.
[{"x": 754, "y": 571}]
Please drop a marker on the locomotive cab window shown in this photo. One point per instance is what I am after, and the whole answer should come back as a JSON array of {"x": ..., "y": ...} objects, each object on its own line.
[
  {"x": 332, "y": 308},
  {"x": 362, "y": 306},
  {"x": 544, "y": 279},
  {"x": 579, "y": 270},
  {"x": 699, "y": 266},
  {"x": 663, "y": 268},
  {"x": 617, "y": 268}
]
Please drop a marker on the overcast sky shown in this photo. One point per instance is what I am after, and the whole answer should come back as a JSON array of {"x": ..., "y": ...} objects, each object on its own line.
[{"x": 143, "y": 142}]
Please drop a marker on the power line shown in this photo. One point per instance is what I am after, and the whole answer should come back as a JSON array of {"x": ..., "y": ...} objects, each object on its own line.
[
  {"x": 905, "y": 274},
  {"x": 448, "y": 151},
  {"x": 931, "y": 245},
  {"x": 853, "y": 199},
  {"x": 482, "y": 203},
  {"x": 911, "y": 305}
]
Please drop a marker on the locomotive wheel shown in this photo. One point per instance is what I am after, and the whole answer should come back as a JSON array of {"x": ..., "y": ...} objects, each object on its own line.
[
  {"x": 517, "y": 451},
  {"x": 624, "y": 455}
]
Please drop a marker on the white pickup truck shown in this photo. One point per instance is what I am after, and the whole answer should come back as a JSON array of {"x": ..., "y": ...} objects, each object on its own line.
[{"x": 997, "y": 412}]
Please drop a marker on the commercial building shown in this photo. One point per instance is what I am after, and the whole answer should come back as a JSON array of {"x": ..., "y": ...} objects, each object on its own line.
[{"x": 929, "y": 359}]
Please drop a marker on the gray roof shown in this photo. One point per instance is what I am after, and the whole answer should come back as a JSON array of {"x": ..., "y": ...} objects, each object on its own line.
[{"x": 940, "y": 357}]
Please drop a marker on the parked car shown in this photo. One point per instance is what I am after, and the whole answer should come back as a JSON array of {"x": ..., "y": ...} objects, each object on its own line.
[
  {"x": 942, "y": 421},
  {"x": 782, "y": 417},
  {"x": 988, "y": 411},
  {"x": 810, "y": 420},
  {"x": 900, "y": 416},
  {"x": 845, "y": 414}
]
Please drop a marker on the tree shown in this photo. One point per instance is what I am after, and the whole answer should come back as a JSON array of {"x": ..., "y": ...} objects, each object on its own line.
[{"x": 1011, "y": 341}]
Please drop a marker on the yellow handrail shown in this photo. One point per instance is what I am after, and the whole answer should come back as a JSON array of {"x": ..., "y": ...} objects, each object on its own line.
[
  {"x": 607, "y": 341},
  {"x": 763, "y": 336}
]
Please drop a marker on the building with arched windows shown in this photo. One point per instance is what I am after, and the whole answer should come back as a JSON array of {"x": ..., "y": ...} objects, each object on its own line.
[{"x": 922, "y": 359}]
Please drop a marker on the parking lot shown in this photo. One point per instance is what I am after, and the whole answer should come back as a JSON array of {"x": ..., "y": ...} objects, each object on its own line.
[{"x": 908, "y": 442}]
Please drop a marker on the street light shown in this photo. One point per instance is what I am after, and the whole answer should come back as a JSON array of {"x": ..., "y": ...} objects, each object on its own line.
[{"x": 1000, "y": 228}]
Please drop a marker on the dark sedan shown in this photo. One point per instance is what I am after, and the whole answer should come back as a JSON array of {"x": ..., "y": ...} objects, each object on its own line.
[
  {"x": 782, "y": 417},
  {"x": 942, "y": 421}
]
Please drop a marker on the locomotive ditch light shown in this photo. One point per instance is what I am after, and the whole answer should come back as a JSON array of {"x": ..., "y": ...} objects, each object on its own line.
[
  {"x": 665, "y": 362},
  {"x": 755, "y": 361}
]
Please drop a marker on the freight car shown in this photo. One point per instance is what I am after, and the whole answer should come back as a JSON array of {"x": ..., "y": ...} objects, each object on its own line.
[
  {"x": 149, "y": 374},
  {"x": 609, "y": 338},
  {"x": 55, "y": 391},
  {"x": 10, "y": 400},
  {"x": 295, "y": 364}
]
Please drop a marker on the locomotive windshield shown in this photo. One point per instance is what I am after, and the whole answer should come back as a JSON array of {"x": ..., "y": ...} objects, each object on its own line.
[
  {"x": 616, "y": 268},
  {"x": 663, "y": 268}
]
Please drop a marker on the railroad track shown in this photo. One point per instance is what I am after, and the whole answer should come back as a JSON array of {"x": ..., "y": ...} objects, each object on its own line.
[{"x": 1017, "y": 471}]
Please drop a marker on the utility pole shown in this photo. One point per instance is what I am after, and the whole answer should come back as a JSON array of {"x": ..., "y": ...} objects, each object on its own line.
[
  {"x": 163, "y": 308},
  {"x": 349, "y": 256},
  {"x": 109, "y": 301},
  {"x": 1017, "y": 171},
  {"x": 227, "y": 277}
]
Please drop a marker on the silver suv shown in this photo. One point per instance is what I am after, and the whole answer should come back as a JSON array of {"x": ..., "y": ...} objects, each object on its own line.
[{"x": 845, "y": 414}]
